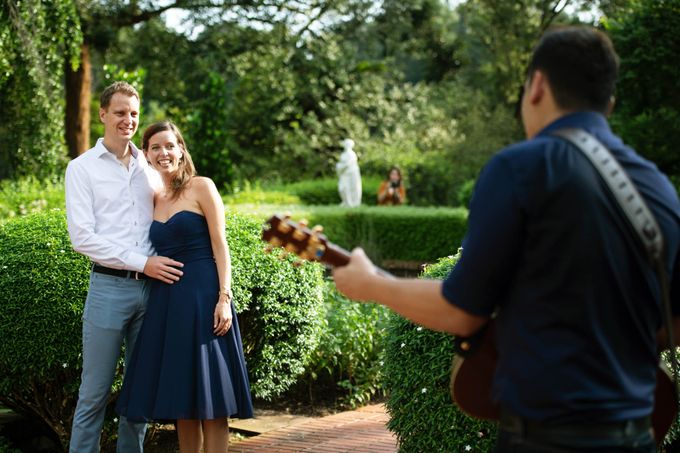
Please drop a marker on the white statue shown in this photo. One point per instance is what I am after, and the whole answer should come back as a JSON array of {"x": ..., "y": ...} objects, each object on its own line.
[{"x": 349, "y": 183}]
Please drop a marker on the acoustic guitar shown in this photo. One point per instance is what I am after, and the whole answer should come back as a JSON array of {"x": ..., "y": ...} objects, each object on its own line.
[{"x": 475, "y": 358}]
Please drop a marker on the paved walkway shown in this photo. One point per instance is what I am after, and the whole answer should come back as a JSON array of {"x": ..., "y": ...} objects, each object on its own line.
[{"x": 360, "y": 431}]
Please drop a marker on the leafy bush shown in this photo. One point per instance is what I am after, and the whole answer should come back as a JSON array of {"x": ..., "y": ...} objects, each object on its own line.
[
  {"x": 44, "y": 284},
  {"x": 417, "y": 375},
  {"x": 400, "y": 233},
  {"x": 648, "y": 107},
  {"x": 29, "y": 195},
  {"x": 259, "y": 196},
  {"x": 349, "y": 358},
  {"x": 465, "y": 192},
  {"x": 324, "y": 191},
  {"x": 388, "y": 233}
]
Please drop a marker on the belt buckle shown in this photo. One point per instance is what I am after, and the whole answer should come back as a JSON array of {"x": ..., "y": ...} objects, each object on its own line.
[{"x": 137, "y": 276}]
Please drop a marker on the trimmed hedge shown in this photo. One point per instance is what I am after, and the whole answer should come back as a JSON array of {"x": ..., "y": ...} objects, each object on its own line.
[
  {"x": 44, "y": 285},
  {"x": 414, "y": 235},
  {"x": 324, "y": 191},
  {"x": 417, "y": 375}
]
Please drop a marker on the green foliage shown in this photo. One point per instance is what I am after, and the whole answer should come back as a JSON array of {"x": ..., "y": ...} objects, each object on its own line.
[
  {"x": 349, "y": 357},
  {"x": 465, "y": 192},
  {"x": 417, "y": 375},
  {"x": 399, "y": 233},
  {"x": 29, "y": 195},
  {"x": 387, "y": 233},
  {"x": 210, "y": 144},
  {"x": 280, "y": 309},
  {"x": 257, "y": 195},
  {"x": 36, "y": 38},
  {"x": 324, "y": 191},
  {"x": 647, "y": 113},
  {"x": 45, "y": 283}
]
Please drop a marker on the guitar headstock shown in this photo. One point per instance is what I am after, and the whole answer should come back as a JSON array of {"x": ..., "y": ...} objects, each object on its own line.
[{"x": 308, "y": 244}]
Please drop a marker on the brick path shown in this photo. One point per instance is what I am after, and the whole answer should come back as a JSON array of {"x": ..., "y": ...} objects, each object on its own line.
[{"x": 360, "y": 431}]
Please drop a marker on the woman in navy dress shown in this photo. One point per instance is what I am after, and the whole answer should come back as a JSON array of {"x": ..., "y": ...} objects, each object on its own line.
[{"x": 187, "y": 365}]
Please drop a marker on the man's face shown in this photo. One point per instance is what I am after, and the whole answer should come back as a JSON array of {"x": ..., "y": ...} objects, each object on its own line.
[{"x": 121, "y": 117}]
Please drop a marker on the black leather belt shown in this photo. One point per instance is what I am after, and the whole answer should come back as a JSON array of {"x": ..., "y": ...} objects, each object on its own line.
[
  {"x": 119, "y": 272},
  {"x": 599, "y": 430}
]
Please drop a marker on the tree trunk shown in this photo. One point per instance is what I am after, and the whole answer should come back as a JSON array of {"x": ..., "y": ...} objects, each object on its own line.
[{"x": 78, "y": 94}]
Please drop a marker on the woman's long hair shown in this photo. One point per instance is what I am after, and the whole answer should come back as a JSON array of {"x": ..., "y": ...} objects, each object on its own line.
[{"x": 186, "y": 169}]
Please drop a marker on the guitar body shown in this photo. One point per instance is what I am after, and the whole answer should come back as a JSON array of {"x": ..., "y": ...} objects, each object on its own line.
[{"x": 472, "y": 377}]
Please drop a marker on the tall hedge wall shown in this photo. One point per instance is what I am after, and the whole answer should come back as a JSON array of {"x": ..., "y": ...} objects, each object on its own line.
[{"x": 44, "y": 283}]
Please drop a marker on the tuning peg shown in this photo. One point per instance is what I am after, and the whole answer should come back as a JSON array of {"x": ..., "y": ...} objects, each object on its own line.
[
  {"x": 303, "y": 223},
  {"x": 317, "y": 229},
  {"x": 286, "y": 215}
]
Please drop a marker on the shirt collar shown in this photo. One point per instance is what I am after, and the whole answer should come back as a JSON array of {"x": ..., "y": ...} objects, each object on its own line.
[
  {"x": 101, "y": 150},
  {"x": 589, "y": 120}
]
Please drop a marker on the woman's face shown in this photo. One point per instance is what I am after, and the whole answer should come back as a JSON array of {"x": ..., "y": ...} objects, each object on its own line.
[
  {"x": 163, "y": 152},
  {"x": 394, "y": 175}
]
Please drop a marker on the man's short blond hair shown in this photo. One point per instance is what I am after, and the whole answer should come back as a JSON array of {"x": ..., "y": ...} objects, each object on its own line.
[{"x": 116, "y": 87}]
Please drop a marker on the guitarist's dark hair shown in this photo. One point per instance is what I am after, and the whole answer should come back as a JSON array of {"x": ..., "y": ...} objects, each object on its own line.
[{"x": 581, "y": 67}]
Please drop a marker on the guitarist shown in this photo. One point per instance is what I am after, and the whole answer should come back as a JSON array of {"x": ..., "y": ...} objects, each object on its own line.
[{"x": 578, "y": 306}]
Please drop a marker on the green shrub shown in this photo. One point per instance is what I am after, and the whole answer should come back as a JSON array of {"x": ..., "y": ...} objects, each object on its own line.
[
  {"x": 28, "y": 195},
  {"x": 465, "y": 192},
  {"x": 44, "y": 284},
  {"x": 324, "y": 191},
  {"x": 395, "y": 233},
  {"x": 409, "y": 234},
  {"x": 260, "y": 196},
  {"x": 417, "y": 375},
  {"x": 349, "y": 358}
]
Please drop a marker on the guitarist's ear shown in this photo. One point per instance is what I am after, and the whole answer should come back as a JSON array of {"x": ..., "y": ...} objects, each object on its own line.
[{"x": 610, "y": 106}]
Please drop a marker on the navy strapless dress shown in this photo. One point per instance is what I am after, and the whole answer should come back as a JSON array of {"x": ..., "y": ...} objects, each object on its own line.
[{"x": 179, "y": 369}]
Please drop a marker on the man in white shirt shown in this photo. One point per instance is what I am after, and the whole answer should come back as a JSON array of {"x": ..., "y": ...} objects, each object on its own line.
[{"x": 109, "y": 209}]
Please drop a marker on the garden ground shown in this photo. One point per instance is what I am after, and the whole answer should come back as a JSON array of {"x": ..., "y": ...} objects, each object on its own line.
[{"x": 273, "y": 430}]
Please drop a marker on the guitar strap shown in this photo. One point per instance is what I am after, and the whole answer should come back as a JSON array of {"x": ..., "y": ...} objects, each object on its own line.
[{"x": 637, "y": 213}]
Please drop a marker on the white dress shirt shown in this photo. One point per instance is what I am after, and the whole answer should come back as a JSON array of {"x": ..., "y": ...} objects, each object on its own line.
[{"x": 109, "y": 208}]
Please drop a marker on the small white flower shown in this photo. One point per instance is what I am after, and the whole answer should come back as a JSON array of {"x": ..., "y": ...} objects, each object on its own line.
[
  {"x": 381, "y": 363},
  {"x": 419, "y": 329},
  {"x": 424, "y": 390},
  {"x": 468, "y": 448},
  {"x": 403, "y": 344},
  {"x": 4, "y": 267},
  {"x": 480, "y": 434},
  {"x": 65, "y": 365},
  {"x": 49, "y": 244},
  {"x": 62, "y": 251},
  {"x": 115, "y": 420}
]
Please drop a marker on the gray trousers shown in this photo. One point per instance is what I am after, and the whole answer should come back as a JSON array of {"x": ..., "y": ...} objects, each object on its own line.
[{"x": 113, "y": 314}]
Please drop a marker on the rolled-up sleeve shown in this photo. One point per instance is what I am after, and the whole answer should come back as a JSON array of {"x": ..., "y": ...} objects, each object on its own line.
[{"x": 491, "y": 245}]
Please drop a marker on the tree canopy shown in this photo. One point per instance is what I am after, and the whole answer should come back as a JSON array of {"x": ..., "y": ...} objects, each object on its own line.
[{"x": 265, "y": 90}]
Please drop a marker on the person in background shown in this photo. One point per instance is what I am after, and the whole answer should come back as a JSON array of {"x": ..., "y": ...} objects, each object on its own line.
[
  {"x": 188, "y": 364},
  {"x": 548, "y": 256},
  {"x": 109, "y": 207},
  {"x": 392, "y": 190}
]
